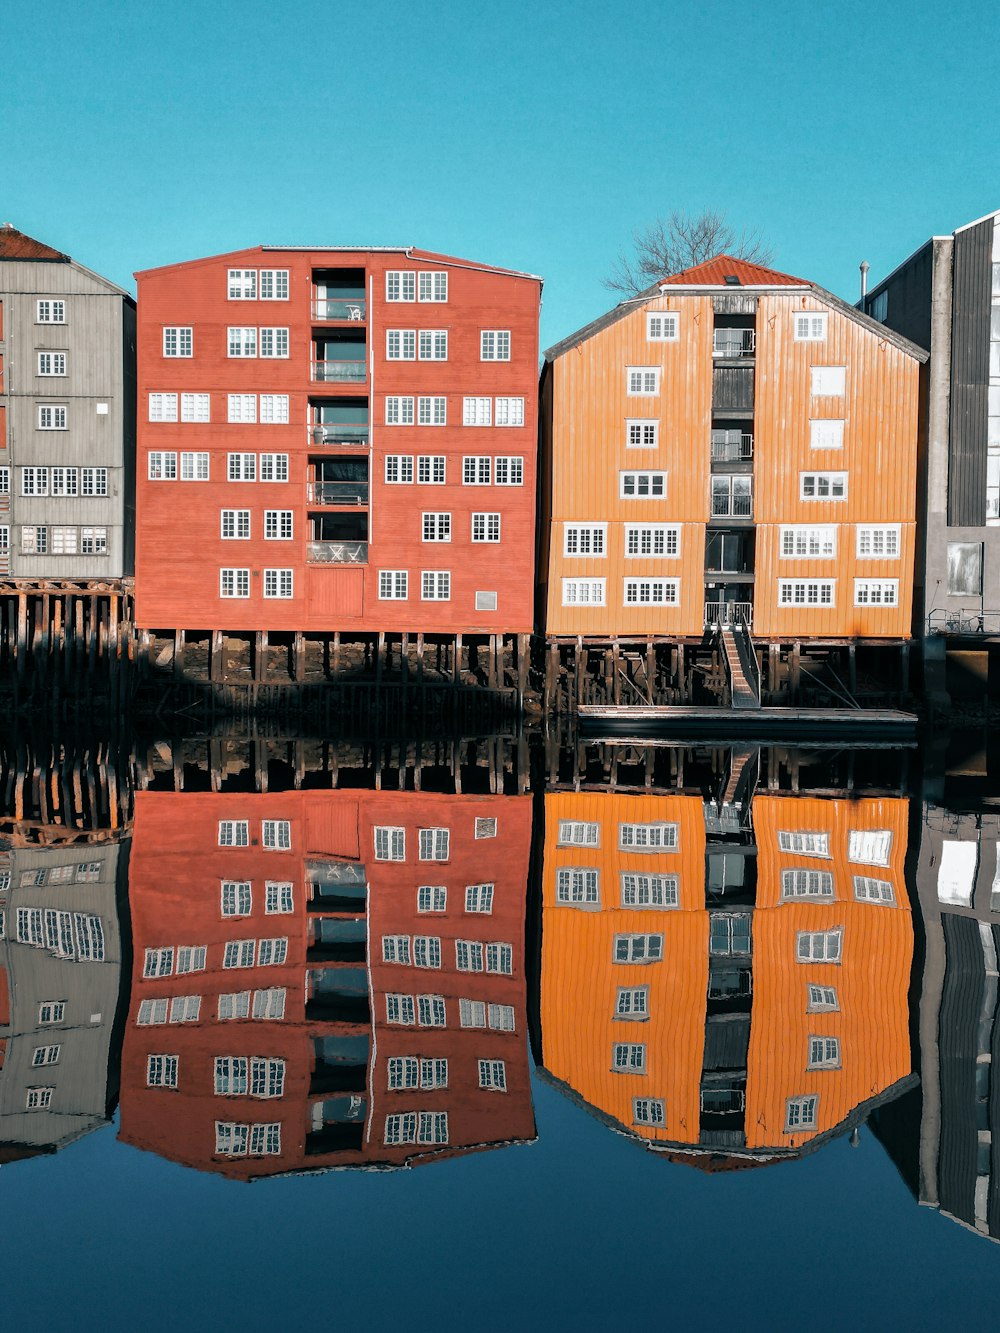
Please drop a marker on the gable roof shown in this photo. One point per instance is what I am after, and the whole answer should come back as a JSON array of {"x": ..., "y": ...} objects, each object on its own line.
[
  {"x": 714, "y": 272},
  {"x": 15, "y": 244}
]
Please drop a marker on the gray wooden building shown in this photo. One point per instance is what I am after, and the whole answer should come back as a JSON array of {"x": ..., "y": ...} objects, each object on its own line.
[
  {"x": 946, "y": 297},
  {"x": 61, "y": 1001},
  {"x": 67, "y": 417}
]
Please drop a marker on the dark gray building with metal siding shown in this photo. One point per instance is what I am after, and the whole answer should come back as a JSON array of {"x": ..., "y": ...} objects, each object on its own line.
[{"x": 946, "y": 297}]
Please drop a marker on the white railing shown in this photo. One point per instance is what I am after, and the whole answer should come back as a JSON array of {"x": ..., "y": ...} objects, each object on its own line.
[
  {"x": 727, "y": 505},
  {"x": 728, "y": 614},
  {"x": 339, "y": 371},
  {"x": 341, "y": 307},
  {"x": 733, "y": 342},
  {"x": 335, "y": 432},
  {"x": 337, "y": 492},
  {"x": 337, "y": 553},
  {"x": 731, "y": 446}
]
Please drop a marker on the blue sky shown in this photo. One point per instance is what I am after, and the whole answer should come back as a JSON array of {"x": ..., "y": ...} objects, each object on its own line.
[{"x": 537, "y": 135}]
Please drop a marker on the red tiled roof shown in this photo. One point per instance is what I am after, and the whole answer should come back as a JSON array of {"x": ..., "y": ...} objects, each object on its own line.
[
  {"x": 713, "y": 273},
  {"x": 15, "y": 245}
]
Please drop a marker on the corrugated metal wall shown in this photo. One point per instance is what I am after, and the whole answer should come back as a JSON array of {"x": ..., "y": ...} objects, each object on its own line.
[
  {"x": 961, "y": 1000},
  {"x": 970, "y": 353}
]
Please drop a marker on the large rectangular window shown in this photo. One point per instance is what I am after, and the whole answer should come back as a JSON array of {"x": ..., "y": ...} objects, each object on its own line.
[
  {"x": 802, "y": 542},
  {"x": 652, "y": 592},
  {"x": 642, "y": 485},
  {"x": 806, "y": 592},
  {"x": 583, "y": 592},
  {"x": 584, "y": 539}
]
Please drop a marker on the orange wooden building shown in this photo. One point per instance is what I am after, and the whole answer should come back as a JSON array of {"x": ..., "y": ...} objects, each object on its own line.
[
  {"x": 722, "y": 996},
  {"x": 734, "y": 443},
  {"x": 326, "y": 979}
]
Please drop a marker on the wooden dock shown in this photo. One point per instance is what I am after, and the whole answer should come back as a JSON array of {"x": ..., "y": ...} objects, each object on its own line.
[{"x": 862, "y": 726}]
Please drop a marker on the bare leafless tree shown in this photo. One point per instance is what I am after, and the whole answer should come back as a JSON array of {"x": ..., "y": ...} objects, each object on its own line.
[{"x": 681, "y": 241}]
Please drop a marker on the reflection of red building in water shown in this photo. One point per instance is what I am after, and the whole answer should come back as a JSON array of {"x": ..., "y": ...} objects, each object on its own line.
[{"x": 326, "y": 979}]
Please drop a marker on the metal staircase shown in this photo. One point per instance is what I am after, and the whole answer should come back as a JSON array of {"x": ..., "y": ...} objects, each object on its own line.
[{"x": 741, "y": 664}]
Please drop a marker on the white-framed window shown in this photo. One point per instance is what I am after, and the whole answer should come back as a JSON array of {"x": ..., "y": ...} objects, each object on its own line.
[
  {"x": 432, "y": 411},
  {"x": 658, "y": 836},
  {"x": 241, "y": 342},
  {"x": 642, "y": 485},
  {"x": 509, "y": 412},
  {"x": 476, "y": 471},
  {"x": 431, "y": 1011},
  {"x": 392, "y": 585},
  {"x": 485, "y": 527},
  {"x": 432, "y": 286},
  {"x": 801, "y": 1113},
  {"x": 274, "y": 467},
  {"x": 400, "y": 285},
  {"x": 158, "y": 963},
  {"x": 508, "y": 471},
  {"x": 823, "y": 485},
  {"x": 390, "y": 843},
  {"x": 51, "y": 363},
  {"x": 659, "y": 891},
  {"x": 648, "y": 1111},
  {"x": 432, "y": 898},
  {"x": 401, "y": 344},
  {"x": 435, "y": 844},
  {"x": 185, "y": 1008},
  {"x": 34, "y": 541},
  {"x": 588, "y": 539},
  {"x": 35, "y": 480},
  {"x": 235, "y": 524},
  {"x": 869, "y": 847},
  {"x": 94, "y": 541},
  {"x": 501, "y": 1017},
  {"x": 241, "y": 467},
  {"x": 642, "y": 381},
  {"x": 4, "y": 538},
  {"x": 4, "y": 481},
  {"x": 632, "y": 1003},
  {"x": 234, "y": 1005},
  {"x": 274, "y": 284},
  {"x": 432, "y": 345},
  {"x": 269, "y": 1004},
  {"x": 242, "y": 284},
  {"x": 63, "y": 481},
  {"x": 662, "y": 326},
  {"x": 651, "y": 592},
  {"x": 583, "y": 592},
  {"x": 191, "y": 958},
  {"x": 178, "y": 340},
  {"x": 642, "y": 433},
  {"x": 435, "y": 585},
  {"x": 46, "y": 1055},
  {"x": 729, "y": 934},
  {"x": 162, "y": 407},
  {"x": 578, "y": 886},
  {"x": 824, "y": 1053},
  {"x": 399, "y": 1010},
  {"x": 52, "y": 417},
  {"x": 276, "y": 834},
  {"x": 870, "y": 890},
  {"x": 400, "y": 1128},
  {"x": 278, "y": 525},
  {"x": 826, "y": 434},
  {"x": 38, "y": 1099},
  {"x": 827, "y": 381},
  {"x": 151, "y": 1012},
  {"x": 242, "y": 408},
  {"x": 399, "y": 410},
  {"x": 234, "y": 833},
  {"x": 274, "y": 952},
  {"x": 819, "y": 946},
  {"x": 469, "y": 955},
  {"x": 806, "y": 592},
  {"x": 194, "y": 466},
  {"x": 236, "y": 897},
  {"x": 435, "y": 527},
  {"x": 494, "y": 345},
  {"x": 196, "y": 407},
  {"x": 479, "y": 899},
  {"x": 804, "y": 842},
  {"x": 578, "y": 833},
  {"x": 431, "y": 469},
  {"x": 396, "y": 949},
  {"x": 239, "y": 953},
  {"x": 500, "y": 959},
  {"x": 398, "y": 469},
  {"x": 802, "y": 541},
  {"x": 234, "y": 1140},
  {"x": 51, "y": 1011},
  {"x": 878, "y": 542},
  {"x": 628, "y": 1057},
  {"x": 493, "y": 1075},
  {"x": 50, "y": 312},
  {"x": 432, "y": 1127},
  {"x": 477, "y": 411},
  {"x": 234, "y": 583},
  {"x": 802, "y": 882},
  {"x": 809, "y": 326},
  {"x": 278, "y": 583},
  {"x": 821, "y": 999},
  {"x": 637, "y": 949},
  {"x": 652, "y": 539},
  {"x": 876, "y": 592},
  {"x": 279, "y": 897},
  {"x": 161, "y": 1071},
  {"x": 426, "y": 951},
  {"x": 274, "y": 409},
  {"x": 274, "y": 343},
  {"x": 472, "y": 1013}
]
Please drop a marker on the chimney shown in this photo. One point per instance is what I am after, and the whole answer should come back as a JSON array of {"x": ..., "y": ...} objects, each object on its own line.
[{"x": 864, "y": 266}]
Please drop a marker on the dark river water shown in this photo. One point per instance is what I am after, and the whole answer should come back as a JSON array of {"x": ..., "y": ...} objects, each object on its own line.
[{"x": 498, "y": 1033}]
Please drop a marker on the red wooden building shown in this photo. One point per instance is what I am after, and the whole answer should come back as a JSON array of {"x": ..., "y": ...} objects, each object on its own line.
[
  {"x": 336, "y": 439},
  {"x": 326, "y": 979}
]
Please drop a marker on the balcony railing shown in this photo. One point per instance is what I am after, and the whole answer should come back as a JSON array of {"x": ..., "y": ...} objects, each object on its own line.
[
  {"x": 732, "y": 506},
  {"x": 337, "y": 553},
  {"x": 728, "y": 613},
  {"x": 337, "y": 492},
  {"x": 341, "y": 307},
  {"x": 336, "y": 432},
  {"x": 339, "y": 372},
  {"x": 733, "y": 342},
  {"x": 731, "y": 446},
  {"x": 970, "y": 620}
]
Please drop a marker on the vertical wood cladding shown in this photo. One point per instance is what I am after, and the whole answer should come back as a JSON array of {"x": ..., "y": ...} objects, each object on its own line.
[{"x": 970, "y": 353}]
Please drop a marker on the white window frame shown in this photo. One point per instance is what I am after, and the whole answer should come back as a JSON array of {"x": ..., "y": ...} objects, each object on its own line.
[
  {"x": 494, "y": 345},
  {"x": 636, "y": 428},
  {"x": 486, "y": 527},
  {"x": 642, "y": 484},
  {"x": 435, "y": 526},
  {"x": 508, "y": 412},
  {"x": 234, "y": 583},
  {"x": 432, "y": 469},
  {"x": 666, "y": 536},
  {"x": 585, "y": 540},
  {"x": 178, "y": 340},
  {"x": 596, "y": 592},
  {"x": 651, "y": 591},
  {"x": 435, "y": 585},
  {"x": 809, "y": 326},
  {"x": 798, "y": 594},
  {"x": 820, "y": 375},
  {"x": 870, "y": 847},
  {"x": 876, "y": 592},
  {"x": 870, "y": 536},
  {"x": 393, "y": 585},
  {"x": 578, "y": 886},
  {"x": 234, "y": 525},
  {"x": 820, "y": 946},
  {"x": 808, "y": 541},
  {"x": 663, "y": 326},
  {"x": 825, "y": 487},
  {"x": 826, "y": 433}
]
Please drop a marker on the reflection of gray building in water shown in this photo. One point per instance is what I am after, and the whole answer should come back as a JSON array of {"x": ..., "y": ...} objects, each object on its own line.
[{"x": 60, "y": 991}]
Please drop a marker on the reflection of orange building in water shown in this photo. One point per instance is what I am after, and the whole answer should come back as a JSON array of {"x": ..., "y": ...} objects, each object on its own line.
[
  {"x": 721, "y": 978},
  {"x": 326, "y": 979}
]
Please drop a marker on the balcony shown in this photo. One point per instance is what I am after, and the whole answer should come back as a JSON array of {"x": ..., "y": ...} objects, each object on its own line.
[
  {"x": 718, "y": 614},
  {"x": 732, "y": 496},
  {"x": 339, "y": 372},
  {"x": 351, "y": 309},
  {"x": 337, "y": 492},
  {"x": 970, "y": 621},
  {"x": 338, "y": 432},
  {"x": 731, "y": 446},
  {"x": 337, "y": 553},
  {"x": 731, "y": 344}
]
